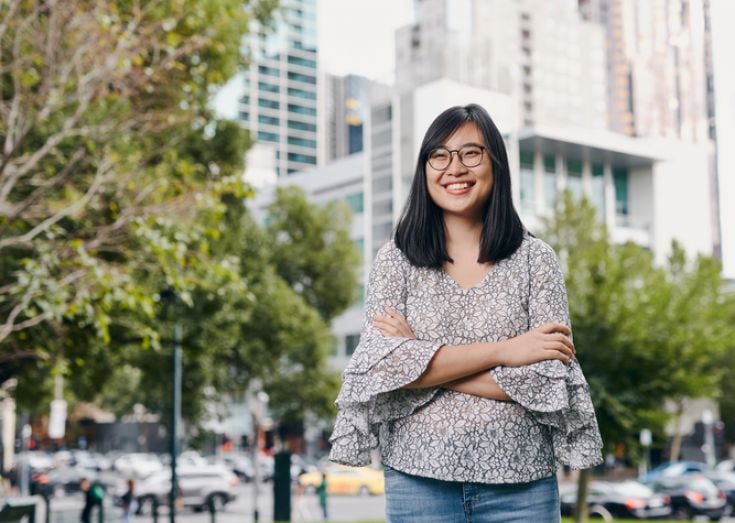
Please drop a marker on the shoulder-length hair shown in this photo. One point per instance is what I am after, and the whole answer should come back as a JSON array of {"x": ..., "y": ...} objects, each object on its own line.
[{"x": 420, "y": 230}]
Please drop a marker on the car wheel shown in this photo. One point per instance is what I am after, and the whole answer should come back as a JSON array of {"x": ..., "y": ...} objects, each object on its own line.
[
  {"x": 364, "y": 491},
  {"x": 682, "y": 513}
]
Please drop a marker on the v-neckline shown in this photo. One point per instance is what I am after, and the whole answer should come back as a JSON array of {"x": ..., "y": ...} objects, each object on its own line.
[{"x": 448, "y": 277}]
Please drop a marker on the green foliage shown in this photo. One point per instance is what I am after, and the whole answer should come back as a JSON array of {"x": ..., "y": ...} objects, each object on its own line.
[
  {"x": 312, "y": 250},
  {"x": 644, "y": 332},
  {"x": 117, "y": 182}
]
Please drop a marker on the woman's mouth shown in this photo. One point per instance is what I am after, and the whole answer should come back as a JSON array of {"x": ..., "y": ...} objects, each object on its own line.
[{"x": 458, "y": 188}]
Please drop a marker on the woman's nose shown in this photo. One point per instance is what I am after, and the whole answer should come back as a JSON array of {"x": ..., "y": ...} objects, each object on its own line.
[{"x": 455, "y": 164}]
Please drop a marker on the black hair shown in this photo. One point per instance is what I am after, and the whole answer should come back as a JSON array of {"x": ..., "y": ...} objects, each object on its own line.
[{"x": 420, "y": 230}]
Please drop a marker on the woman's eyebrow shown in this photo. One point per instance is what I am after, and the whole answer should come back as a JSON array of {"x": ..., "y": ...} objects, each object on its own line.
[{"x": 445, "y": 146}]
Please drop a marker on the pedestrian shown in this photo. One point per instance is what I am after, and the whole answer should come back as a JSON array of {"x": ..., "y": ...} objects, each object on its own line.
[
  {"x": 93, "y": 496},
  {"x": 129, "y": 503},
  {"x": 321, "y": 491},
  {"x": 465, "y": 378}
]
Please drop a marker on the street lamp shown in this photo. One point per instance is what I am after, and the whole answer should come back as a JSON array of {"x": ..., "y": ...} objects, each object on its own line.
[{"x": 170, "y": 296}]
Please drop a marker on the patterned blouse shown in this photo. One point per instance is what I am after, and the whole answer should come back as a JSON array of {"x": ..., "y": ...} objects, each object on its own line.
[{"x": 444, "y": 434}]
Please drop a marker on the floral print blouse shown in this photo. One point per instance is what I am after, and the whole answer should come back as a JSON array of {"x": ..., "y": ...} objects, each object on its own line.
[{"x": 444, "y": 434}]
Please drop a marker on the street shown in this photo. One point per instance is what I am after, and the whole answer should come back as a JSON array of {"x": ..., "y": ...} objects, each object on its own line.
[{"x": 341, "y": 508}]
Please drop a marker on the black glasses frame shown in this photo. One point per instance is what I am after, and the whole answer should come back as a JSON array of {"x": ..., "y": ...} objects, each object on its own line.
[{"x": 459, "y": 155}]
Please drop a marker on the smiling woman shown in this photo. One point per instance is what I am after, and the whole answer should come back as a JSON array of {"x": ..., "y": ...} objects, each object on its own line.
[{"x": 465, "y": 377}]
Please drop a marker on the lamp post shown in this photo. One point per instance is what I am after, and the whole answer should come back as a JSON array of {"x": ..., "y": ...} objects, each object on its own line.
[
  {"x": 709, "y": 440},
  {"x": 170, "y": 296},
  {"x": 258, "y": 403}
]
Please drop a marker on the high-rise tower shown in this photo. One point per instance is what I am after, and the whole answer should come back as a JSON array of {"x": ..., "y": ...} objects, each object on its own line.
[{"x": 280, "y": 105}]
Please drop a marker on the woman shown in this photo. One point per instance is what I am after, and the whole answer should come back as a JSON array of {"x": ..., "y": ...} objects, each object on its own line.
[{"x": 465, "y": 377}]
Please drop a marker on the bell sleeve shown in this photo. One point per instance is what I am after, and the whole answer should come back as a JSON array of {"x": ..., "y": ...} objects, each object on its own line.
[
  {"x": 372, "y": 382},
  {"x": 557, "y": 395}
]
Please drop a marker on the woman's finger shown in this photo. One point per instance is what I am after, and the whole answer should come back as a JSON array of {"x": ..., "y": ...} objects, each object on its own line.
[
  {"x": 395, "y": 314},
  {"x": 553, "y": 327}
]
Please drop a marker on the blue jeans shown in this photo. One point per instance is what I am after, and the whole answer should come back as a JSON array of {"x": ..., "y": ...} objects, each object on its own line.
[{"x": 413, "y": 499}]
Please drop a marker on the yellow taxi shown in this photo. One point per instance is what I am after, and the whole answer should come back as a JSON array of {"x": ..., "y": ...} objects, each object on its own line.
[{"x": 346, "y": 480}]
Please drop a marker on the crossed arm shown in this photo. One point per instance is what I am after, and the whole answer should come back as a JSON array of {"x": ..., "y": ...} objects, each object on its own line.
[{"x": 463, "y": 368}]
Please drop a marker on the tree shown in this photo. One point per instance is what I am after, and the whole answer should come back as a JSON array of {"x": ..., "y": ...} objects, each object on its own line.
[
  {"x": 643, "y": 333},
  {"x": 101, "y": 103},
  {"x": 257, "y": 327}
]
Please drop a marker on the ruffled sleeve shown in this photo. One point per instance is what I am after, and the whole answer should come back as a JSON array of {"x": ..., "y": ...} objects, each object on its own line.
[
  {"x": 557, "y": 395},
  {"x": 372, "y": 390}
]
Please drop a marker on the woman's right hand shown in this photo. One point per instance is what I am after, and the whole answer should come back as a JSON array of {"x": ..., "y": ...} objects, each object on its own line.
[{"x": 550, "y": 341}]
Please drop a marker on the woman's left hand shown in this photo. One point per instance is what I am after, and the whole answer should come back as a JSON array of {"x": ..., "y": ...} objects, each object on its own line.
[{"x": 394, "y": 324}]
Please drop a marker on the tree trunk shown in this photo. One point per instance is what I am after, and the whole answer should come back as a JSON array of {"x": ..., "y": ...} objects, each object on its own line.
[
  {"x": 580, "y": 510},
  {"x": 676, "y": 442}
]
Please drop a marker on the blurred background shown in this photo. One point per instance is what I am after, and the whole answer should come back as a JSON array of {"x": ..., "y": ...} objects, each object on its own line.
[{"x": 192, "y": 193}]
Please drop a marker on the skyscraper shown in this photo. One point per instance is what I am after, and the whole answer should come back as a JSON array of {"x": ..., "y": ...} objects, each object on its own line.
[
  {"x": 656, "y": 73},
  {"x": 280, "y": 104},
  {"x": 542, "y": 53},
  {"x": 346, "y": 106}
]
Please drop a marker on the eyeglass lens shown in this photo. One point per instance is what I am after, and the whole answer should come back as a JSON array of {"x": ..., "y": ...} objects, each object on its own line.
[{"x": 469, "y": 155}]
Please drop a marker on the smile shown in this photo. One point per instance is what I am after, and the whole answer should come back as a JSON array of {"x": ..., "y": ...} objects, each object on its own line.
[{"x": 458, "y": 188}]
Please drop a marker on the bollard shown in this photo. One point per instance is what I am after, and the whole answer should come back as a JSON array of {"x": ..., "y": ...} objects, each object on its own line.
[
  {"x": 212, "y": 511},
  {"x": 47, "y": 502},
  {"x": 155, "y": 509}
]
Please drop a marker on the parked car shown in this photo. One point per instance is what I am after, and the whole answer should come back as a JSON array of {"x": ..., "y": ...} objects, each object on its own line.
[
  {"x": 240, "y": 464},
  {"x": 198, "y": 486},
  {"x": 677, "y": 468},
  {"x": 725, "y": 481},
  {"x": 692, "y": 495},
  {"x": 727, "y": 465},
  {"x": 137, "y": 464},
  {"x": 628, "y": 499},
  {"x": 346, "y": 480}
]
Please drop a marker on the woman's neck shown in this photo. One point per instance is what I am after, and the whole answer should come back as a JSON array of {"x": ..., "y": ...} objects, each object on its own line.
[{"x": 462, "y": 233}]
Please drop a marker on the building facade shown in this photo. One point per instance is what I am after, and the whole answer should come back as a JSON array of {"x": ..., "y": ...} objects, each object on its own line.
[
  {"x": 543, "y": 54},
  {"x": 280, "y": 104}
]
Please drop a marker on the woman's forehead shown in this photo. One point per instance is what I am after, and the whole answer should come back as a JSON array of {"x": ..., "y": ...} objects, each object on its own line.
[{"x": 467, "y": 132}]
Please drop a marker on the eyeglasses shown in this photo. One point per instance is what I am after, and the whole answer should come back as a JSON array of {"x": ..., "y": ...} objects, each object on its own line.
[{"x": 470, "y": 155}]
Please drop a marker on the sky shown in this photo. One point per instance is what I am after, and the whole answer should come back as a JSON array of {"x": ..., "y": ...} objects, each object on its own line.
[{"x": 356, "y": 36}]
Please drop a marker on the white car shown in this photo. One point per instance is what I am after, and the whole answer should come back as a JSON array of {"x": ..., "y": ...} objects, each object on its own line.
[
  {"x": 137, "y": 465},
  {"x": 198, "y": 486}
]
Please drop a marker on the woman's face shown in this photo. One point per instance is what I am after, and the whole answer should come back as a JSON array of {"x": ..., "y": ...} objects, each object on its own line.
[{"x": 456, "y": 188}]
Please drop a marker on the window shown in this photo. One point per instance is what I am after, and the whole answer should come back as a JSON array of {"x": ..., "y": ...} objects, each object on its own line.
[
  {"x": 355, "y": 202},
  {"x": 302, "y": 158},
  {"x": 574, "y": 178},
  {"x": 268, "y": 137},
  {"x": 302, "y": 78},
  {"x": 268, "y": 104},
  {"x": 598, "y": 189},
  {"x": 528, "y": 180},
  {"x": 269, "y": 120},
  {"x": 301, "y": 126},
  {"x": 298, "y": 109},
  {"x": 305, "y": 62},
  {"x": 354, "y": 138},
  {"x": 360, "y": 290},
  {"x": 302, "y": 142},
  {"x": 270, "y": 88},
  {"x": 351, "y": 343},
  {"x": 620, "y": 181},
  {"x": 272, "y": 71},
  {"x": 382, "y": 184},
  {"x": 549, "y": 181},
  {"x": 300, "y": 93}
]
